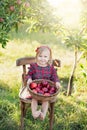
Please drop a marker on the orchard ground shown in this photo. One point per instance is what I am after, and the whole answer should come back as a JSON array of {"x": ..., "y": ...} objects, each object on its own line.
[{"x": 70, "y": 112}]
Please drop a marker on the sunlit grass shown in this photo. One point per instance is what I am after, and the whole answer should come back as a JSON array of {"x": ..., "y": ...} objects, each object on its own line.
[{"x": 70, "y": 112}]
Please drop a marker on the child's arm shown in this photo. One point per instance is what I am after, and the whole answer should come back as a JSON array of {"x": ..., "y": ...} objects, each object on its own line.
[
  {"x": 29, "y": 81},
  {"x": 29, "y": 74},
  {"x": 54, "y": 76}
]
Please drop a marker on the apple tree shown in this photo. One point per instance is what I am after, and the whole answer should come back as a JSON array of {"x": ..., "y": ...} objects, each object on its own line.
[
  {"x": 37, "y": 13},
  {"x": 12, "y": 12},
  {"x": 77, "y": 41},
  {"x": 41, "y": 17},
  {"x": 76, "y": 38}
]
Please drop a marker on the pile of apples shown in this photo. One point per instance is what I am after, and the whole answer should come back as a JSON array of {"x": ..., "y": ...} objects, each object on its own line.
[{"x": 43, "y": 88}]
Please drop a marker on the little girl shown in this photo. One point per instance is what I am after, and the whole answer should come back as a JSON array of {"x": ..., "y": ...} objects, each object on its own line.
[{"x": 42, "y": 69}]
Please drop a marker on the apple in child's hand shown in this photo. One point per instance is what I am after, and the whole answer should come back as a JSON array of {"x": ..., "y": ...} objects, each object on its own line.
[{"x": 33, "y": 85}]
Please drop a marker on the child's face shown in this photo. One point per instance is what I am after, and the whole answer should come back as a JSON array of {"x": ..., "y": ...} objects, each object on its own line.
[{"x": 43, "y": 58}]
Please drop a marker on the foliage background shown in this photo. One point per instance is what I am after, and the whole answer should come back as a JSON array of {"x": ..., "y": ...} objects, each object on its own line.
[{"x": 70, "y": 111}]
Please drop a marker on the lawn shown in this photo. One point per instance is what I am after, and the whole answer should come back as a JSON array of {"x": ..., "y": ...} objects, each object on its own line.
[{"x": 70, "y": 112}]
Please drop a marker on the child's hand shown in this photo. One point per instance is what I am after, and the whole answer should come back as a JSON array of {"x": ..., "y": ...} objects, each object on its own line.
[
  {"x": 29, "y": 81},
  {"x": 57, "y": 85}
]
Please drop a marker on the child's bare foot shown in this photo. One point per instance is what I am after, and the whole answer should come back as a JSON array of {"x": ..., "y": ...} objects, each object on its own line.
[
  {"x": 44, "y": 110},
  {"x": 36, "y": 114},
  {"x": 42, "y": 116}
]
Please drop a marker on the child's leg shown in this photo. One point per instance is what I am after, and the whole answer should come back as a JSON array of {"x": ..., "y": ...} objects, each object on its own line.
[
  {"x": 44, "y": 109},
  {"x": 34, "y": 105}
]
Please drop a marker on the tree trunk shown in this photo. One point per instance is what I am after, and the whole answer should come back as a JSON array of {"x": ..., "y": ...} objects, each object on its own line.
[
  {"x": 70, "y": 83},
  {"x": 71, "y": 78}
]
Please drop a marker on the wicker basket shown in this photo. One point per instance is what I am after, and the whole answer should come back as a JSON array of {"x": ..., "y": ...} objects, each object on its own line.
[{"x": 42, "y": 97}]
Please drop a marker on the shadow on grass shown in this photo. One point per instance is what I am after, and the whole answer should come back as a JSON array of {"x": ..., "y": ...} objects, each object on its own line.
[
  {"x": 69, "y": 114},
  {"x": 5, "y": 91},
  {"x": 64, "y": 83},
  {"x": 8, "y": 108},
  {"x": 7, "y": 120},
  {"x": 8, "y": 93}
]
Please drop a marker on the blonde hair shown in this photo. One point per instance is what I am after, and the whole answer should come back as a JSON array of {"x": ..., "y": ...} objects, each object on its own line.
[{"x": 40, "y": 49}]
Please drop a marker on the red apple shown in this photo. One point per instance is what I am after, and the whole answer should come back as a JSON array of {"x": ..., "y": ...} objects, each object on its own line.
[
  {"x": 34, "y": 90},
  {"x": 44, "y": 83},
  {"x": 46, "y": 94},
  {"x": 1, "y": 20},
  {"x": 11, "y": 8},
  {"x": 52, "y": 88},
  {"x": 41, "y": 92},
  {"x": 39, "y": 85},
  {"x": 27, "y": 4},
  {"x": 38, "y": 89},
  {"x": 48, "y": 86},
  {"x": 45, "y": 89},
  {"x": 51, "y": 92},
  {"x": 33, "y": 85},
  {"x": 19, "y": 2}
]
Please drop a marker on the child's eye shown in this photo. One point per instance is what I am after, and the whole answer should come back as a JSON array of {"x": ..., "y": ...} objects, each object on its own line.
[{"x": 40, "y": 56}]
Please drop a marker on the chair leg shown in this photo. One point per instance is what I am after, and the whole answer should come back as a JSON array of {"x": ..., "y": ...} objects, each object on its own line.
[
  {"x": 51, "y": 115},
  {"x": 22, "y": 105}
]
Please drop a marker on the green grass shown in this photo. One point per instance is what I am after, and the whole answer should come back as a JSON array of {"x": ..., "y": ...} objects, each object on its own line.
[{"x": 70, "y": 112}]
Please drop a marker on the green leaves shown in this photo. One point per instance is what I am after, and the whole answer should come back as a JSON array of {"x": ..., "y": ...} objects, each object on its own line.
[
  {"x": 83, "y": 71},
  {"x": 3, "y": 38},
  {"x": 11, "y": 14},
  {"x": 41, "y": 17}
]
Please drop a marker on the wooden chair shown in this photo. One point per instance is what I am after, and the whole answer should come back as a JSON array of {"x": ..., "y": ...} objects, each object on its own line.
[{"x": 24, "y": 92}]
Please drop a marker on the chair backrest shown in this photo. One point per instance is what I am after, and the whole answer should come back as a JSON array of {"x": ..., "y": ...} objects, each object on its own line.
[{"x": 28, "y": 60}]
